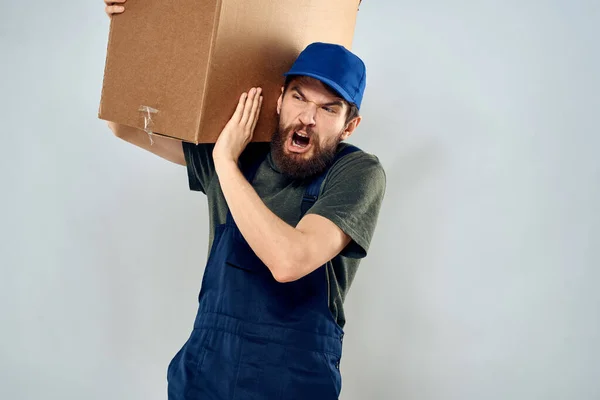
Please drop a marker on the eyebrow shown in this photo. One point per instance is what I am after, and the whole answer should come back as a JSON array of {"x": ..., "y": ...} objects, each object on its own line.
[{"x": 338, "y": 103}]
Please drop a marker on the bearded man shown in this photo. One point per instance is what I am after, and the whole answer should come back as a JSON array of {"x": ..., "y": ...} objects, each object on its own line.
[{"x": 290, "y": 221}]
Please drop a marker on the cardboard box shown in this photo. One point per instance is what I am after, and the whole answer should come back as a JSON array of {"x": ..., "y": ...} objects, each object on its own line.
[{"x": 178, "y": 67}]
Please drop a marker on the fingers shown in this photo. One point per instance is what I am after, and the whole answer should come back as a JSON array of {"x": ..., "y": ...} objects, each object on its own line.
[
  {"x": 250, "y": 106},
  {"x": 254, "y": 111},
  {"x": 257, "y": 114},
  {"x": 114, "y": 7},
  {"x": 112, "y": 10},
  {"x": 247, "y": 109},
  {"x": 239, "y": 110}
]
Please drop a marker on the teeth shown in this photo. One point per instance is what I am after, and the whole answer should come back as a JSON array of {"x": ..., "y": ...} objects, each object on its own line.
[{"x": 301, "y": 134}]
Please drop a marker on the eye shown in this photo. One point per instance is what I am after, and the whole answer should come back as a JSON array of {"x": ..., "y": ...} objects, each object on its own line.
[
  {"x": 330, "y": 110},
  {"x": 297, "y": 97}
]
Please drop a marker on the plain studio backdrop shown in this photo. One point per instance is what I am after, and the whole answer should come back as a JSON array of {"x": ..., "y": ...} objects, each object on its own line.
[{"x": 482, "y": 277}]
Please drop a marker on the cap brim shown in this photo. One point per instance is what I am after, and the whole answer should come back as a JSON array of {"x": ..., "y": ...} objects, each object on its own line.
[{"x": 345, "y": 95}]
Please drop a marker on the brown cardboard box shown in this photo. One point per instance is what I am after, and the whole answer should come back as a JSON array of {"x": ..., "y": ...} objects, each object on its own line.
[{"x": 178, "y": 67}]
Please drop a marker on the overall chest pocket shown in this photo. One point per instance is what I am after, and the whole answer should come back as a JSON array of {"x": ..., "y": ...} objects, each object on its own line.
[{"x": 241, "y": 256}]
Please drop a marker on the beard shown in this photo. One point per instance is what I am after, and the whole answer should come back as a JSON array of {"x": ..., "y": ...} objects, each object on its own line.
[{"x": 295, "y": 165}]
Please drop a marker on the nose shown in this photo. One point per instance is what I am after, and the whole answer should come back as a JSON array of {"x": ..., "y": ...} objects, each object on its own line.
[{"x": 308, "y": 114}]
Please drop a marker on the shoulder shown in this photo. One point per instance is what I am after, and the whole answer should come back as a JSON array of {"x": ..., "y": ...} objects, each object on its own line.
[
  {"x": 197, "y": 155},
  {"x": 357, "y": 167},
  {"x": 356, "y": 158}
]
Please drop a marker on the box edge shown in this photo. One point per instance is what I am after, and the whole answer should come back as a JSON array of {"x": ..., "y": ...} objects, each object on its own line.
[{"x": 213, "y": 40}]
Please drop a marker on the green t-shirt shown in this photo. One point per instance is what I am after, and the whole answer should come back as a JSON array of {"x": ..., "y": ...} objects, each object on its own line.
[{"x": 350, "y": 197}]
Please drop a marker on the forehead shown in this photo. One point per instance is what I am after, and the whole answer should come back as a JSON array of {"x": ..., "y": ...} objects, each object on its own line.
[{"x": 315, "y": 89}]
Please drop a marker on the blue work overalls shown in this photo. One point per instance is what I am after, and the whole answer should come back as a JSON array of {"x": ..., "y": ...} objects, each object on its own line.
[{"x": 256, "y": 338}]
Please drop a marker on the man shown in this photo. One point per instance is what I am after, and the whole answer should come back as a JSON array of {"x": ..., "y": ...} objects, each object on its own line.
[{"x": 290, "y": 221}]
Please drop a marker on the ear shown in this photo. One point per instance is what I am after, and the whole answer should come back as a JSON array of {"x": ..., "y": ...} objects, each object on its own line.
[
  {"x": 279, "y": 102},
  {"x": 352, "y": 125}
]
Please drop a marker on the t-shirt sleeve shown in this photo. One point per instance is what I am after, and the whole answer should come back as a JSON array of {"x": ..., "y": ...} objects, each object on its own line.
[
  {"x": 200, "y": 165},
  {"x": 351, "y": 198}
]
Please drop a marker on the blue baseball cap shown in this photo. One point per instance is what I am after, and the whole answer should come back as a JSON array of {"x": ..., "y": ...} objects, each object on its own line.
[{"x": 335, "y": 66}]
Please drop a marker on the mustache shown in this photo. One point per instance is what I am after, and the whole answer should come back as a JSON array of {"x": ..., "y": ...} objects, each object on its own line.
[{"x": 290, "y": 129}]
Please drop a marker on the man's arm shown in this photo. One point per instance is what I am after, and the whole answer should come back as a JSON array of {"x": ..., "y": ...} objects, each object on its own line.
[
  {"x": 289, "y": 253},
  {"x": 167, "y": 148}
]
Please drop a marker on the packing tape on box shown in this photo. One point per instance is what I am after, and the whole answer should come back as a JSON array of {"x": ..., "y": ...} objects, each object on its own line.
[{"x": 148, "y": 124}]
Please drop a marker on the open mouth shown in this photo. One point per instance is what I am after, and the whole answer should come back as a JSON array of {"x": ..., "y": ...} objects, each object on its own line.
[{"x": 300, "y": 140}]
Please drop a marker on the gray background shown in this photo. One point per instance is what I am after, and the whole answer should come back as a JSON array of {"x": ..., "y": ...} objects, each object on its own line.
[{"x": 481, "y": 280}]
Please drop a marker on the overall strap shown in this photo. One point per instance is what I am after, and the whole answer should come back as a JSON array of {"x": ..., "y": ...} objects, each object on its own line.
[
  {"x": 311, "y": 194},
  {"x": 252, "y": 169}
]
